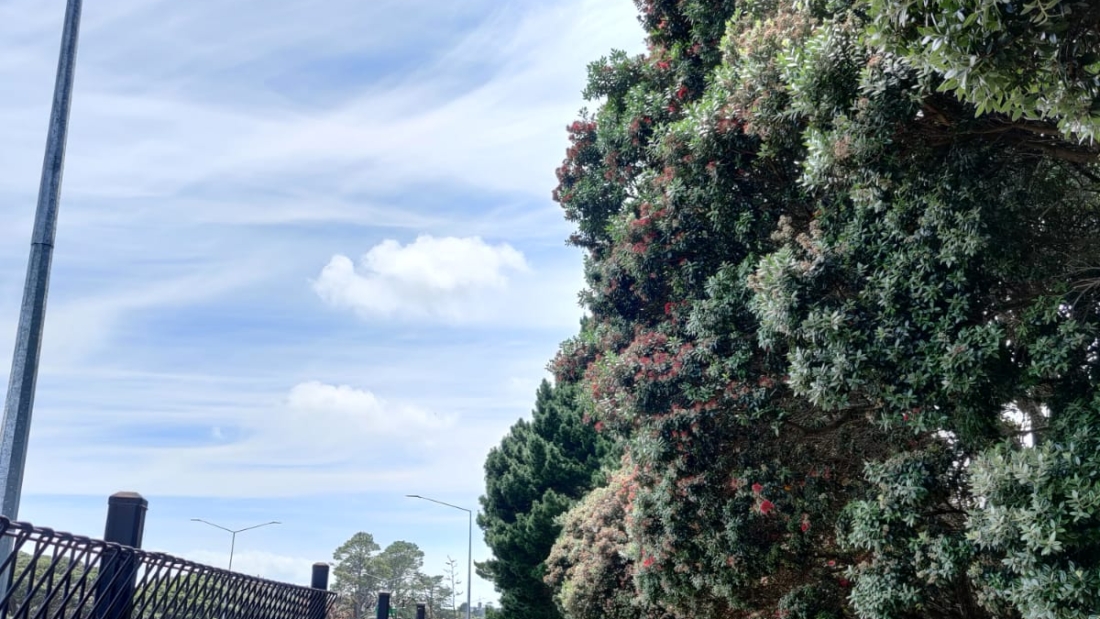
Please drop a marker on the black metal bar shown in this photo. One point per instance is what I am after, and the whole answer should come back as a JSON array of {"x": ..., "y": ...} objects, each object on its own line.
[
  {"x": 383, "y": 605},
  {"x": 153, "y": 581},
  {"x": 63, "y": 576},
  {"x": 318, "y": 604},
  {"x": 224, "y": 594},
  {"x": 79, "y": 554},
  {"x": 125, "y": 527},
  {"x": 114, "y": 584},
  {"x": 319, "y": 577},
  {"x": 176, "y": 584},
  {"x": 262, "y": 602},
  {"x": 79, "y": 590},
  {"x": 28, "y": 574},
  {"x": 50, "y": 590},
  {"x": 87, "y": 582},
  {"x": 198, "y": 591},
  {"x": 244, "y": 593}
]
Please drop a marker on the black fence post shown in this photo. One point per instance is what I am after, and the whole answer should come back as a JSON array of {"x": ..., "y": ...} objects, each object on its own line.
[
  {"x": 117, "y": 565},
  {"x": 421, "y": 611},
  {"x": 318, "y": 605},
  {"x": 320, "y": 576},
  {"x": 383, "y": 605}
]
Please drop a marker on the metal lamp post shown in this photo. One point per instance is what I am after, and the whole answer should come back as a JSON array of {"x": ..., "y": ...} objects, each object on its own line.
[
  {"x": 469, "y": 547},
  {"x": 233, "y": 541},
  {"x": 16, "y": 427}
]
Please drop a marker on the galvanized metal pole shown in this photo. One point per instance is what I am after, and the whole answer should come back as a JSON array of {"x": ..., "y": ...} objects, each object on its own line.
[
  {"x": 232, "y": 547},
  {"x": 28, "y": 342},
  {"x": 233, "y": 541},
  {"x": 469, "y": 547},
  {"x": 469, "y": 559}
]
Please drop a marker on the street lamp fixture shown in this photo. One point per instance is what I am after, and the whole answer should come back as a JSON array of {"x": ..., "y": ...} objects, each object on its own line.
[
  {"x": 469, "y": 546},
  {"x": 233, "y": 541}
]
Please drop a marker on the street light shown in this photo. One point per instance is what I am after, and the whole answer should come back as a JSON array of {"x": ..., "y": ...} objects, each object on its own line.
[
  {"x": 233, "y": 541},
  {"x": 469, "y": 547}
]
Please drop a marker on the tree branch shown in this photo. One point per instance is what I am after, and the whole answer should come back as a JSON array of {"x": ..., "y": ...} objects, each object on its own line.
[
  {"x": 836, "y": 425},
  {"x": 1062, "y": 152}
]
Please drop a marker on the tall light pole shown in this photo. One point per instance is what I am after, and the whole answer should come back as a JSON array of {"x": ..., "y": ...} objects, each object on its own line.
[
  {"x": 233, "y": 541},
  {"x": 16, "y": 427},
  {"x": 469, "y": 547}
]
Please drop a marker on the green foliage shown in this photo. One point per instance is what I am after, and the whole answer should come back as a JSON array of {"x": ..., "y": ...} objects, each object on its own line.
[
  {"x": 44, "y": 580},
  {"x": 540, "y": 468},
  {"x": 1039, "y": 517},
  {"x": 592, "y": 565},
  {"x": 362, "y": 571},
  {"x": 353, "y": 576},
  {"x": 913, "y": 533},
  {"x": 1036, "y": 60},
  {"x": 844, "y": 312},
  {"x": 400, "y": 563}
]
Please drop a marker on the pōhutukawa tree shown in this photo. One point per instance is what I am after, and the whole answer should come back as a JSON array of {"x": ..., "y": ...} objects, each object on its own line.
[{"x": 843, "y": 279}]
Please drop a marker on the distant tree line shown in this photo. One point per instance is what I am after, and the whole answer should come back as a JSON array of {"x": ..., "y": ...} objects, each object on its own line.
[{"x": 363, "y": 568}]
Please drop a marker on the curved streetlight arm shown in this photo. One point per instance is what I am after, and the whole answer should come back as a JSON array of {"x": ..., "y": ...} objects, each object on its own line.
[
  {"x": 218, "y": 526},
  {"x": 417, "y": 496},
  {"x": 233, "y": 534},
  {"x": 256, "y": 526}
]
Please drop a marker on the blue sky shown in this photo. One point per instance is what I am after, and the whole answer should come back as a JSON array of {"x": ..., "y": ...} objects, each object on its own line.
[{"x": 306, "y": 260}]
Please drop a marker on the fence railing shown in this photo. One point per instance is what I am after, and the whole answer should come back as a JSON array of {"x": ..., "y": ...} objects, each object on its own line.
[{"x": 54, "y": 575}]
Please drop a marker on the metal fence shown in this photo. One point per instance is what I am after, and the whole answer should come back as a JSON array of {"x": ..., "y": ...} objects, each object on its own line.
[{"x": 54, "y": 575}]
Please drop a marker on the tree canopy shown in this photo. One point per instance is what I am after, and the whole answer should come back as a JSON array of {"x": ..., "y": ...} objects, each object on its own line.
[
  {"x": 843, "y": 288},
  {"x": 539, "y": 470},
  {"x": 363, "y": 569}
]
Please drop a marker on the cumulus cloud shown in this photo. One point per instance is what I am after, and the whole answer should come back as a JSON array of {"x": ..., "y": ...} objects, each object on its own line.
[{"x": 445, "y": 278}]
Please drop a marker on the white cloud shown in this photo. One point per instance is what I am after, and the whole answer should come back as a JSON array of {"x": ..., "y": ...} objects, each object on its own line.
[
  {"x": 219, "y": 154},
  {"x": 324, "y": 430},
  {"x": 316, "y": 437},
  {"x": 345, "y": 413},
  {"x": 446, "y": 278},
  {"x": 295, "y": 570},
  {"x": 208, "y": 94}
]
